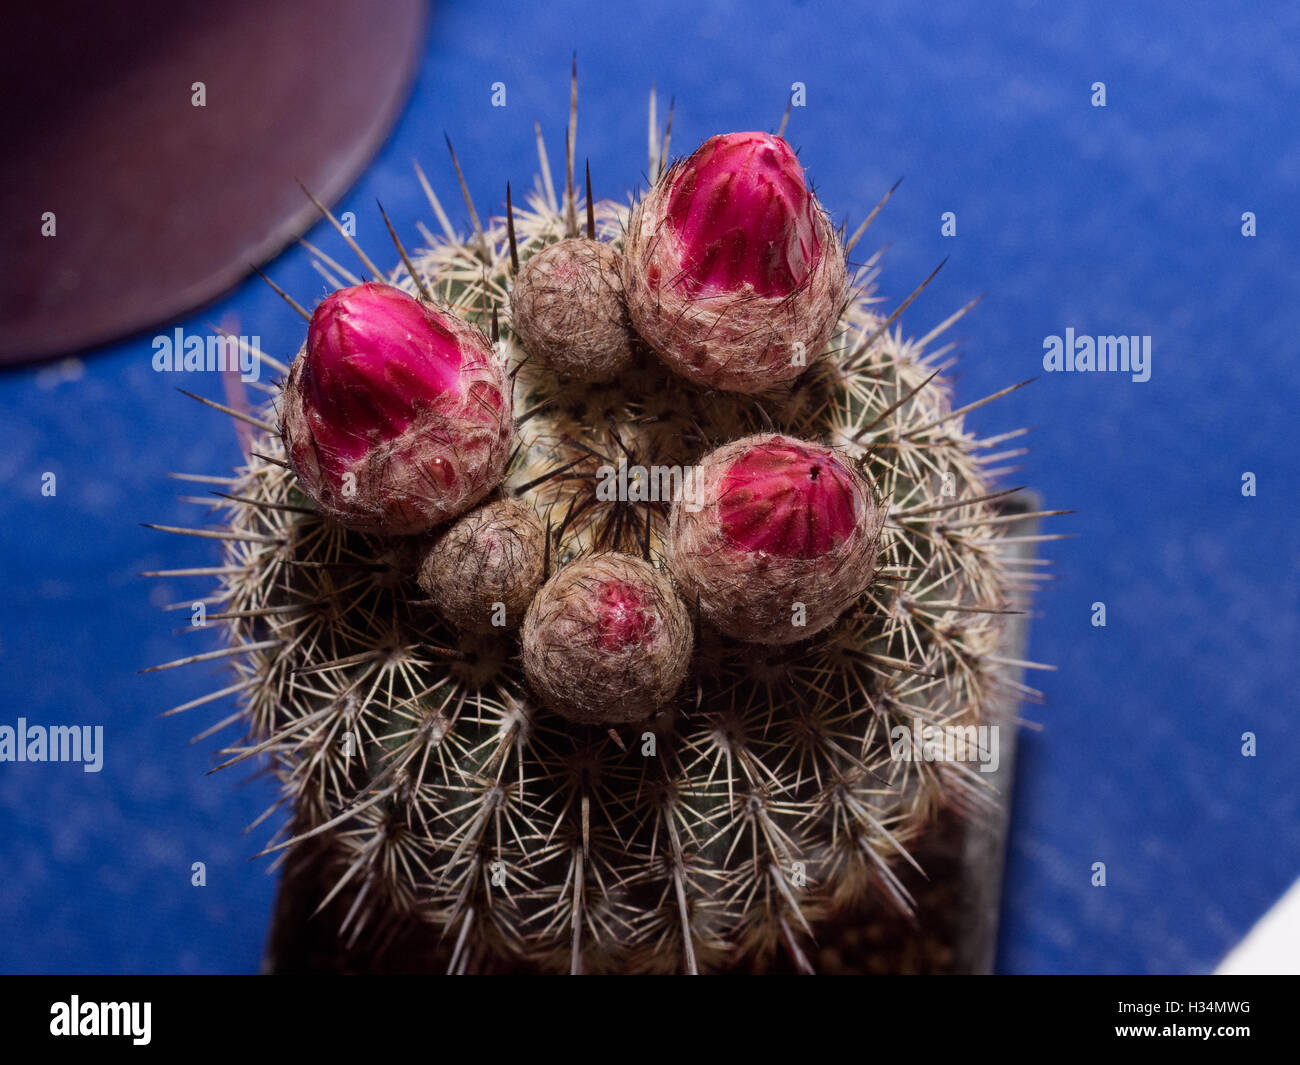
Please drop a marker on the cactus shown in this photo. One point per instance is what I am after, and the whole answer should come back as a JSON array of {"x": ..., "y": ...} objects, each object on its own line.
[{"x": 718, "y": 822}]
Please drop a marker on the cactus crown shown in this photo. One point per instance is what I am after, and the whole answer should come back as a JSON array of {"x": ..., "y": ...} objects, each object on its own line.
[{"x": 432, "y": 788}]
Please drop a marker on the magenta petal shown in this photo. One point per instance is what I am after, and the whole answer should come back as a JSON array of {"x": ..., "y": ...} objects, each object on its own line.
[
  {"x": 374, "y": 357},
  {"x": 744, "y": 216},
  {"x": 787, "y": 499},
  {"x": 624, "y": 616}
]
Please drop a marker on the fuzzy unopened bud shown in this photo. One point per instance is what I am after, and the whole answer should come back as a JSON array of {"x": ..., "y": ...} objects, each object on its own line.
[
  {"x": 567, "y": 308},
  {"x": 785, "y": 541},
  {"x": 396, "y": 416},
  {"x": 484, "y": 570},
  {"x": 733, "y": 273},
  {"x": 607, "y": 640}
]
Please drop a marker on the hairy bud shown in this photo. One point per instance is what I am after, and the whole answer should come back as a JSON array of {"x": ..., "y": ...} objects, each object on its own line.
[
  {"x": 785, "y": 541},
  {"x": 607, "y": 640},
  {"x": 396, "y": 416},
  {"x": 733, "y": 273},
  {"x": 483, "y": 571},
  {"x": 567, "y": 308}
]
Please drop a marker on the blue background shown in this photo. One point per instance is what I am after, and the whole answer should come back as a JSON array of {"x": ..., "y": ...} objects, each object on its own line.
[{"x": 1124, "y": 219}]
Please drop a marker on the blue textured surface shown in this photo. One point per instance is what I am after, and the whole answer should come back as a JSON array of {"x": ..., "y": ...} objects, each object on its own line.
[{"x": 1124, "y": 219}]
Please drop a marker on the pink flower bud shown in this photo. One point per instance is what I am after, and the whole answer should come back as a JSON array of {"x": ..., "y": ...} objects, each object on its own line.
[
  {"x": 396, "y": 416},
  {"x": 732, "y": 272},
  {"x": 607, "y": 640},
  {"x": 744, "y": 216},
  {"x": 788, "y": 499},
  {"x": 785, "y": 540}
]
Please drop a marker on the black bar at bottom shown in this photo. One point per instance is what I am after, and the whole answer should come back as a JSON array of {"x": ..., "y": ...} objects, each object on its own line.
[{"x": 385, "y": 1016}]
